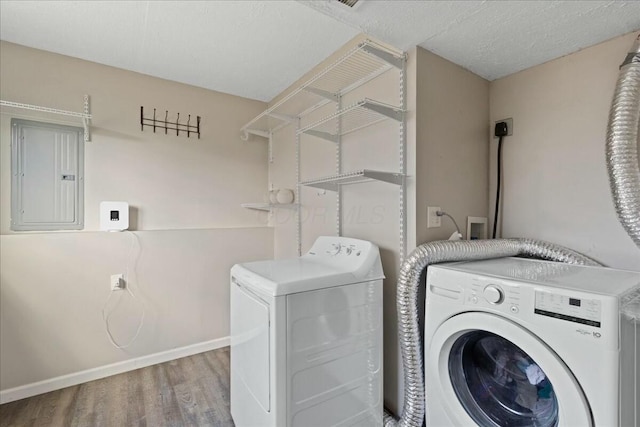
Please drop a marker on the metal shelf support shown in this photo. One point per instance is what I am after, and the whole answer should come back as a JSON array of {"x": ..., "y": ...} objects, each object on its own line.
[
  {"x": 392, "y": 113},
  {"x": 86, "y": 120},
  {"x": 323, "y": 93},
  {"x": 324, "y": 135},
  {"x": 256, "y": 132},
  {"x": 385, "y": 56},
  {"x": 284, "y": 117},
  {"x": 268, "y": 206}
]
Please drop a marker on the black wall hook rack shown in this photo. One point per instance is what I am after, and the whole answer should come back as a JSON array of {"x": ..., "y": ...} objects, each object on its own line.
[{"x": 167, "y": 125}]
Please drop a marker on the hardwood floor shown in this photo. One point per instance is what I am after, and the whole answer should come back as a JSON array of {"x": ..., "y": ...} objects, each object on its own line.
[{"x": 192, "y": 391}]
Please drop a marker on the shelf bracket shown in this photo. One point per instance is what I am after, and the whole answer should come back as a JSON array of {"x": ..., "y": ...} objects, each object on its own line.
[
  {"x": 323, "y": 93},
  {"x": 255, "y": 132},
  {"x": 392, "y": 113},
  {"x": 385, "y": 56},
  {"x": 324, "y": 135},
  {"x": 86, "y": 120},
  {"x": 391, "y": 178},
  {"x": 284, "y": 117}
]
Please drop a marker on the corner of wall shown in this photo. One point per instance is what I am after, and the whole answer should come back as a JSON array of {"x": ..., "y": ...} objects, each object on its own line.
[{"x": 452, "y": 110}]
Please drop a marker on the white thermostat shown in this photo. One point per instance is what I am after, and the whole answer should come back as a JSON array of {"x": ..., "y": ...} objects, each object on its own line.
[{"x": 114, "y": 216}]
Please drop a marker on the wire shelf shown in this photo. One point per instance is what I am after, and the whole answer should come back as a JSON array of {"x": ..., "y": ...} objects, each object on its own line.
[
  {"x": 44, "y": 109},
  {"x": 269, "y": 206},
  {"x": 333, "y": 183},
  {"x": 361, "y": 64},
  {"x": 354, "y": 117},
  {"x": 85, "y": 115}
]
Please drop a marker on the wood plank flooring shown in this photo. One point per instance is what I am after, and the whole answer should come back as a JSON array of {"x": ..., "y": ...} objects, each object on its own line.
[{"x": 192, "y": 391}]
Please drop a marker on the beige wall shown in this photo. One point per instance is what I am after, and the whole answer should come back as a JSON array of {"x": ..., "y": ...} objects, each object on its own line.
[
  {"x": 53, "y": 285},
  {"x": 173, "y": 182},
  {"x": 555, "y": 181},
  {"x": 451, "y": 145}
]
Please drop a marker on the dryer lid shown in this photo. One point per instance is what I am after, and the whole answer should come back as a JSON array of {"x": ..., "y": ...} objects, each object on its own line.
[{"x": 332, "y": 261}]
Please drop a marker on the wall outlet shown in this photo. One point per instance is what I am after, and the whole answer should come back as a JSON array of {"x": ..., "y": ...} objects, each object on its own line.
[
  {"x": 117, "y": 282},
  {"x": 433, "y": 220},
  {"x": 509, "y": 126}
]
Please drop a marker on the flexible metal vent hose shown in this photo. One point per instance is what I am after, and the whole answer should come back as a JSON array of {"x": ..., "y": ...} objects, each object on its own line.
[
  {"x": 622, "y": 144},
  {"x": 624, "y": 177},
  {"x": 407, "y": 302}
]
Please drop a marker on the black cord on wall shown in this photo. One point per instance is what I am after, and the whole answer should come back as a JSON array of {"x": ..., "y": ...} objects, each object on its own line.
[{"x": 500, "y": 131}]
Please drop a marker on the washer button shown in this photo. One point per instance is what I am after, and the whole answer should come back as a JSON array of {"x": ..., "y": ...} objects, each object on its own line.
[{"x": 514, "y": 309}]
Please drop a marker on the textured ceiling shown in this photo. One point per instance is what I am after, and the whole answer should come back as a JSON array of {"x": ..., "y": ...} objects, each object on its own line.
[
  {"x": 491, "y": 38},
  {"x": 253, "y": 49},
  {"x": 256, "y": 49}
]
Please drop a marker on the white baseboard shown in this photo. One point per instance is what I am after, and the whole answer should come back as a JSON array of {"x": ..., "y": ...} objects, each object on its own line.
[{"x": 68, "y": 380}]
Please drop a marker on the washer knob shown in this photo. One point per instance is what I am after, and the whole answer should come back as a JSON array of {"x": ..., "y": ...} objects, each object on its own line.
[{"x": 493, "y": 294}]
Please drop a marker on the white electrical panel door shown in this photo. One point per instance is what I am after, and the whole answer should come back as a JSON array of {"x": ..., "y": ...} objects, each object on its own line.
[{"x": 47, "y": 176}]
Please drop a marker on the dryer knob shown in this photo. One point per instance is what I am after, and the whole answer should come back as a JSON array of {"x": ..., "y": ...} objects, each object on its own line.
[
  {"x": 337, "y": 248},
  {"x": 493, "y": 294}
]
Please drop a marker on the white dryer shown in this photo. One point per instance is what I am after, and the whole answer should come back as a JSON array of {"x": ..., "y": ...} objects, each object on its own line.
[
  {"x": 519, "y": 342},
  {"x": 306, "y": 338}
]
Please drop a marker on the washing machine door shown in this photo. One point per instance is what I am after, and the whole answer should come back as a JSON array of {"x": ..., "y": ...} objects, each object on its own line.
[{"x": 490, "y": 371}]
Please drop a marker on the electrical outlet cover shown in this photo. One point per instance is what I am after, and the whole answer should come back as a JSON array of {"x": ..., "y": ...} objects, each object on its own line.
[
  {"x": 117, "y": 282},
  {"x": 433, "y": 220}
]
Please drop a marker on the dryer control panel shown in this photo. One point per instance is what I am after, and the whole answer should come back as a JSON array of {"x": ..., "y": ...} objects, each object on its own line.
[
  {"x": 359, "y": 257},
  {"x": 340, "y": 247}
]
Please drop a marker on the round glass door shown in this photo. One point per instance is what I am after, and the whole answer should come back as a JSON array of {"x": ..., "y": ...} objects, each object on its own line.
[
  {"x": 486, "y": 370},
  {"x": 498, "y": 384}
]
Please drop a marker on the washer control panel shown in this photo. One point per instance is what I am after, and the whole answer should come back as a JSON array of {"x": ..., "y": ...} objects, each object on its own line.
[
  {"x": 519, "y": 299},
  {"x": 493, "y": 294},
  {"x": 499, "y": 296},
  {"x": 573, "y": 309}
]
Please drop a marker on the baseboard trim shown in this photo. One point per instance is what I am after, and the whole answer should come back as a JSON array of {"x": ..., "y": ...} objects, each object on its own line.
[{"x": 76, "y": 378}]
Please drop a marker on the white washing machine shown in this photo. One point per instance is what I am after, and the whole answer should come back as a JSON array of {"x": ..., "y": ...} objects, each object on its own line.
[
  {"x": 518, "y": 342},
  {"x": 306, "y": 338}
]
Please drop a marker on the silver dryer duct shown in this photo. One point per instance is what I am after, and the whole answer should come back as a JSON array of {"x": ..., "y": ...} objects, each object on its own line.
[{"x": 622, "y": 144}]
